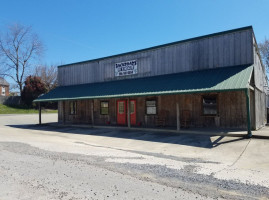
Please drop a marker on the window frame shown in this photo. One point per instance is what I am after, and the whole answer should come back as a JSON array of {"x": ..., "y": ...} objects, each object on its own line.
[
  {"x": 3, "y": 91},
  {"x": 156, "y": 106},
  {"x": 74, "y": 105},
  {"x": 217, "y": 105},
  {"x": 104, "y": 107}
]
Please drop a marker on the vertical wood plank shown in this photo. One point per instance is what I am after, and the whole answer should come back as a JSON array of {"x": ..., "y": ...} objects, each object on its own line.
[
  {"x": 178, "y": 116},
  {"x": 92, "y": 112}
]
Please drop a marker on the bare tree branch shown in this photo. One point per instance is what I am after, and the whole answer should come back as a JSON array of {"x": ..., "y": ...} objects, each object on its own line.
[
  {"x": 264, "y": 51},
  {"x": 19, "y": 47},
  {"x": 48, "y": 75}
]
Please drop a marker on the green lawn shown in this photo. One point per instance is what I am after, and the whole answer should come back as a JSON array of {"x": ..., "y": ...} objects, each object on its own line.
[{"x": 4, "y": 109}]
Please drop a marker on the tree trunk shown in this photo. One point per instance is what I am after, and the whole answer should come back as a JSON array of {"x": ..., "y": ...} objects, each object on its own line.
[{"x": 20, "y": 85}]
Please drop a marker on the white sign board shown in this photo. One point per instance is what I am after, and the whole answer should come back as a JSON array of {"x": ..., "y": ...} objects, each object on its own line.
[{"x": 126, "y": 68}]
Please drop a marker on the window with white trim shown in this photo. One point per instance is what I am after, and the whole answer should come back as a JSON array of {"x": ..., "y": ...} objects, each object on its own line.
[
  {"x": 151, "y": 107},
  {"x": 3, "y": 91}
]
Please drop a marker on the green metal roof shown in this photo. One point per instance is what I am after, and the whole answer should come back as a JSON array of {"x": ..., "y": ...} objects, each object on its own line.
[{"x": 211, "y": 80}]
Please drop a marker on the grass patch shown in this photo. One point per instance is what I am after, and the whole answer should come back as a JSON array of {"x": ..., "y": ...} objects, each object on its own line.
[{"x": 19, "y": 109}]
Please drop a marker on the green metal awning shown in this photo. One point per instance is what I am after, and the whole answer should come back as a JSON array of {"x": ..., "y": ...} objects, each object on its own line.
[{"x": 210, "y": 80}]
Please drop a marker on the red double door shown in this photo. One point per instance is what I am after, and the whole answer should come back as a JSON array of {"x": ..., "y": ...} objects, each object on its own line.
[{"x": 122, "y": 111}]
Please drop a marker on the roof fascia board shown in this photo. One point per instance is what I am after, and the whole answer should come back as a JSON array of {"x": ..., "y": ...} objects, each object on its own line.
[{"x": 140, "y": 95}]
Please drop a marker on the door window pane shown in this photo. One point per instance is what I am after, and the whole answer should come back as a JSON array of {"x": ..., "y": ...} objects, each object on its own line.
[
  {"x": 121, "y": 107},
  {"x": 132, "y": 107}
]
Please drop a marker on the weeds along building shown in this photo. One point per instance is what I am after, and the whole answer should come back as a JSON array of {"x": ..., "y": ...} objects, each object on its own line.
[{"x": 216, "y": 80}]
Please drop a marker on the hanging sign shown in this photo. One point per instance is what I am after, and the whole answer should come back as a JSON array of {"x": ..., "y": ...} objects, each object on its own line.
[{"x": 126, "y": 68}]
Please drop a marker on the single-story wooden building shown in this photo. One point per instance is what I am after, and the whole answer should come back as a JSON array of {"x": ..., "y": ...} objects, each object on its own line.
[{"x": 215, "y": 80}]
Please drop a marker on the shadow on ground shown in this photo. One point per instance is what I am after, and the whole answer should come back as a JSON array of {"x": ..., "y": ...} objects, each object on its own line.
[{"x": 203, "y": 141}]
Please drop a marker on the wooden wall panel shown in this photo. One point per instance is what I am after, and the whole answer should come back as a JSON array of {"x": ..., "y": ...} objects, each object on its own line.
[
  {"x": 60, "y": 111},
  {"x": 260, "y": 90},
  {"x": 232, "y": 111},
  {"x": 229, "y": 49},
  {"x": 260, "y": 108}
]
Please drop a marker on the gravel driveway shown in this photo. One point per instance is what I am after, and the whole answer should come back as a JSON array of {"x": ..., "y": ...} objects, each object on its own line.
[{"x": 42, "y": 162}]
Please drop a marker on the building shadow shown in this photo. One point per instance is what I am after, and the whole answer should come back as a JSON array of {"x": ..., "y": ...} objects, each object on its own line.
[{"x": 195, "y": 140}]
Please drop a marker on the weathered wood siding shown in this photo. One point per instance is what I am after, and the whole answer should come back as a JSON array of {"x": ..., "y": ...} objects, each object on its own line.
[
  {"x": 60, "y": 111},
  {"x": 83, "y": 115},
  {"x": 259, "y": 70},
  {"x": 267, "y": 100},
  {"x": 260, "y": 109},
  {"x": 260, "y": 89},
  {"x": 229, "y": 49},
  {"x": 232, "y": 111}
]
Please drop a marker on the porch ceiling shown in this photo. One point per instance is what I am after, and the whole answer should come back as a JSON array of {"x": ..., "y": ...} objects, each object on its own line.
[{"x": 211, "y": 80}]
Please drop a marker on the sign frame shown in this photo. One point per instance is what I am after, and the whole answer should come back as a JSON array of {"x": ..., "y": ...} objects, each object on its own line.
[{"x": 126, "y": 68}]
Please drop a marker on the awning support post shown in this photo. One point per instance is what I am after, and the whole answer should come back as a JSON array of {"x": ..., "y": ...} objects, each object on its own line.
[
  {"x": 128, "y": 113},
  {"x": 39, "y": 109},
  {"x": 63, "y": 112},
  {"x": 92, "y": 107},
  {"x": 248, "y": 113},
  {"x": 178, "y": 117}
]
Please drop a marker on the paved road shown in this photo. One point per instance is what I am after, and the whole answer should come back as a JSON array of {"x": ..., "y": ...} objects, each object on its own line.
[{"x": 40, "y": 162}]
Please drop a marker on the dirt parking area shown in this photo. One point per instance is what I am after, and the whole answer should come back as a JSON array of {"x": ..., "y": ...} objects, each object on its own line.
[{"x": 45, "y": 162}]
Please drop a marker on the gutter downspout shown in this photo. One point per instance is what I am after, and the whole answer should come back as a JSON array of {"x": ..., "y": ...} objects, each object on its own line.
[{"x": 249, "y": 135}]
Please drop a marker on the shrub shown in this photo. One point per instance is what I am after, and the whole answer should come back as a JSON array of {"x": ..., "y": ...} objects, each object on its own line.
[{"x": 33, "y": 88}]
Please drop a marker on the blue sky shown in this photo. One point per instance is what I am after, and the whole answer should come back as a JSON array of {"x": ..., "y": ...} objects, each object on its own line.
[{"x": 77, "y": 30}]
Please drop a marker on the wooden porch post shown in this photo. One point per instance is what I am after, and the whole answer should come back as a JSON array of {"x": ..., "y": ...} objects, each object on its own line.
[
  {"x": 128, "y": 113},
  {"x": 39, "y": 108},
  {"x": 63, "y": 112},
  {"x": 92, "y": 107},
  {"x": 178, "y": 117}
]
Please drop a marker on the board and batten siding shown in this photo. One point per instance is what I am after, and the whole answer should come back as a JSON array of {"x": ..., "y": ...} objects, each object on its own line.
[
  {"x": 259, "y": 88},
  {"x": 232, "y": 113},
  {"x": 228, "y": 49},
  {"x": 259, "y": 70}
]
